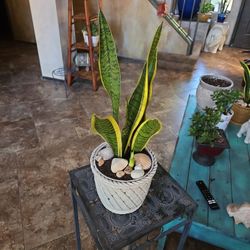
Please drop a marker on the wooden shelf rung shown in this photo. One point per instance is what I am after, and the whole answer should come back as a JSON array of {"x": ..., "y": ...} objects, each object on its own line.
[{"x": 82, "y": 17}]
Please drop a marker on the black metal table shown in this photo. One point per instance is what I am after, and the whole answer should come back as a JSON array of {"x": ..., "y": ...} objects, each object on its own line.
[{"x": 165, "y": 202}]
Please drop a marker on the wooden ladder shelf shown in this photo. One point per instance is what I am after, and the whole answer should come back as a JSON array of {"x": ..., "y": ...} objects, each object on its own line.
[{"x": 81, "y": 46}]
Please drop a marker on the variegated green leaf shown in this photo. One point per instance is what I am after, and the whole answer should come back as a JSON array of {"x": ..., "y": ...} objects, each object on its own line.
[
  {"x": 108, "y": 65},
  {"x": 247, "y": 82},
  {"x": 144, "y": 133},
  {"x": 134, "y": 106},
  {"x": 109, "y": 130},
  {"x": 152, "y": 60},
  {"x": 135, "y": 109}
]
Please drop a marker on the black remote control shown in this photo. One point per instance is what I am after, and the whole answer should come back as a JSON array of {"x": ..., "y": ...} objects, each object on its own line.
[{"x": 207, "y": 195}]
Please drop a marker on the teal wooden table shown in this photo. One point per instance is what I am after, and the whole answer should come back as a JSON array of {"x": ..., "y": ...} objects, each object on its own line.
[{"x": 228, "y": 180}]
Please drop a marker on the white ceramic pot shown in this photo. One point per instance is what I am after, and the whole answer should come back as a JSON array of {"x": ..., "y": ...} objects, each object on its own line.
[
  {"x": 121, "y": 196},
  {"x": 95, "y": 39},
  {"x": 204, "y": 91},
  {"x": 225, "y": 119}
]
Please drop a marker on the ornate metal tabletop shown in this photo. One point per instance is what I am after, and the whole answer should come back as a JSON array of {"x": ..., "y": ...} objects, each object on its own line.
[{"x": 165, "y": 202}]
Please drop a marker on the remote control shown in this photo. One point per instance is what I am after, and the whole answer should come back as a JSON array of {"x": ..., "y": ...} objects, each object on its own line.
[{"x": 207, "y": 195}]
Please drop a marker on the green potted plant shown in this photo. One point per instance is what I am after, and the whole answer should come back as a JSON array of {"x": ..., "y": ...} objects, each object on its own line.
[
  {"x": 224, "y": 4},
  {"x": 123, "y": 167},
  {"x": 94, "y": 34},
  {"x": 205, "y": 11},
  {"x": 224, "y": 101},
  {"x": 210, "y": 140},
  {"x": 242, "y": 107}
]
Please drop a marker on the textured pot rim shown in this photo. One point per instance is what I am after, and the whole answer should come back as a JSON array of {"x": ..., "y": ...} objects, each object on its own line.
[
  {"x": 211, "y": 87},
  {"x": 138, "y": 181},
  {"x": 240, "y": 106}
]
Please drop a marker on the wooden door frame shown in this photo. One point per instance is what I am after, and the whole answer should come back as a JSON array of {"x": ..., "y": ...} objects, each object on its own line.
[{"x": 237, "y": 22}]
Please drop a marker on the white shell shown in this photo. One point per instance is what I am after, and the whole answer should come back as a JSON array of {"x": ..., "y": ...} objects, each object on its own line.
[
  {"x": 143, "y": 160},
  {"x": 138, "y": 167},
  {"x": 106, "y": 153},
  {"x": 241, "y": 213},
  {"x": 120, "y": 174},
  {"x": 135, "y": 174},
  {"x": 98, "y": 158},
  {"x": 118, "y": 164}
]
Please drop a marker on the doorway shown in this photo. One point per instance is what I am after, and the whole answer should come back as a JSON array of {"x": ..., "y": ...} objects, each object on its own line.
[{"x": 241, "y": 35}]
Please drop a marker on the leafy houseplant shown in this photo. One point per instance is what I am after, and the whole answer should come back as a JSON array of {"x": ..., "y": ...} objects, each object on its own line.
[
  {"x": 224, "y": 100},
  {"x": 94, "y": 34},
  {"x": 204, "y": 13},
  {"x": 210, "y": 141},
  {"x": 242, "y": 107},
  {"x": 138, "y": 129}
]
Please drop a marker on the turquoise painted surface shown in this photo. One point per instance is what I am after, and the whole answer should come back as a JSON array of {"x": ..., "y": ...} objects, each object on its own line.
[{"x": 228, "y": 180}]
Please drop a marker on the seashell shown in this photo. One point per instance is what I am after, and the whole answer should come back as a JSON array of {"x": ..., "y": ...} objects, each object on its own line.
[
  {"x": 127, "y": 170},
  {"x": 138, "y": 167},
  {"x": 98, "y": 158},
  {"x": 241, "y": 213},
  {"x": 135, "y": 174},
  {"x": 100, "y": 162},
  {"x": 120, "y": 174},
  {"x": 106, "y": 153},
  {"x": 143, "y": 160},
  {"x": 118, "y": 164}
]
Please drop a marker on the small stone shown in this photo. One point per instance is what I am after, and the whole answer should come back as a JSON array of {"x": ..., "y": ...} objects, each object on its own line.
[
  {"x": 127, "y": 170},
  {"x": 118, "y": 164},
  {"x": 100, "y": 162},
  {"x": 138, "y": 167},
  {"x": 143, "y": 160},
  {"x": 135, "y": 174},
  {"x": 106, "y": 153},
  {"x": 120, "y": 174}
]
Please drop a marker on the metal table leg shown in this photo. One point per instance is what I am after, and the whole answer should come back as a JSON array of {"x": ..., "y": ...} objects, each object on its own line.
[{"x": 76, "y": 220}]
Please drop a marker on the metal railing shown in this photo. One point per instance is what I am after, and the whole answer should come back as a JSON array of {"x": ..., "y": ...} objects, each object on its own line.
[{"x": 177, "y": 25}]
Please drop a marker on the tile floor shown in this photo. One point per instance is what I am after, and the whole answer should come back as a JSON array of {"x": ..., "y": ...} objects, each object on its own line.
[{"x": 44, "y": 135}]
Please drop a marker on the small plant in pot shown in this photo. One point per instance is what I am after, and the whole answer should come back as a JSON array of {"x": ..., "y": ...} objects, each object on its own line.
[
  {"x": 210, "y": 140},
  {"x": 94, "y": 34},
  {"x": 242, "y": 107},
  {"x": 224, "y": 101},
  {"x": 207, "y": 86},
  {"x": 205, "y": 11},
  {"x": 123, "y": 167}
]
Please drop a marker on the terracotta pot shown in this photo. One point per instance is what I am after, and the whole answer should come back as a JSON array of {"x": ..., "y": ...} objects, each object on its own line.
[
  {"x": 203, "y": 17},
  {"x": 241, "y": 114}
]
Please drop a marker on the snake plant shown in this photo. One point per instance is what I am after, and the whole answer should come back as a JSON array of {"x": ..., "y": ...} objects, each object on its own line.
[
  {"x": 246, "y": 92},
  {"x": 138, "y": 129}
]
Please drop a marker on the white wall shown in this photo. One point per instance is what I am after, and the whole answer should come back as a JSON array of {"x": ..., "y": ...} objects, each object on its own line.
[
  {"x": 45, "y": 22},
  {"x": 232, "y": 18}
]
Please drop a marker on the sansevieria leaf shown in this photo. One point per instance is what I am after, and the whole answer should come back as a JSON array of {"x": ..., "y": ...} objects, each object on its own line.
[
  {"x": 109, "y": 130},
  {"x": 144, "y": 133},
  {"x": 247, "y": 82},
  {"x": 152, "y": 60},
  {"x": 135, "y": 109},
  {"x": 108, "y": 65},
  {"x": 133, "y": 117}
]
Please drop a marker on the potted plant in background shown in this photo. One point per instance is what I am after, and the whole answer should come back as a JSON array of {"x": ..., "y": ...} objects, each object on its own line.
[
  {"x": 210, "y": 140},
  {"x": 242, "y": 107},
  {"x": 223, "y": 10},
  {"x": 123, "y": 168},
  {"x": 208, "y": 84},
  {"x": 205, "y": 11},
  {"x": 94, "y": 34},
  {"x": 224, "y": 101}
]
